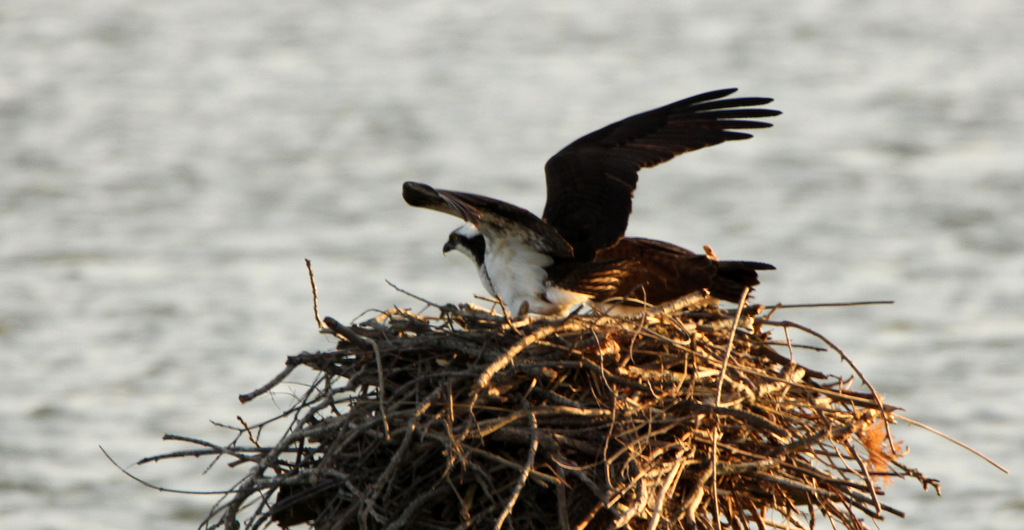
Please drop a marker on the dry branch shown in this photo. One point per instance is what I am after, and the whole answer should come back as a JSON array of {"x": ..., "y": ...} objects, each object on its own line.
[{"x": 686, "y": 418}]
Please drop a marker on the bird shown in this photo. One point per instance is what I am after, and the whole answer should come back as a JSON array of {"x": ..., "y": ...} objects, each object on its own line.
[{"x": 577, "y": 252}]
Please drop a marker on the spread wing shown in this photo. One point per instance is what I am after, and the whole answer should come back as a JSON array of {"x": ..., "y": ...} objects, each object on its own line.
[
  {"x": 590, "y": 182},
  {"x": 490, "y": 216}
]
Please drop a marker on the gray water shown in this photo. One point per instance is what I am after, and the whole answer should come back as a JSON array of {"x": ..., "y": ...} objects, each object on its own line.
[{"x": 165, "y": 168}]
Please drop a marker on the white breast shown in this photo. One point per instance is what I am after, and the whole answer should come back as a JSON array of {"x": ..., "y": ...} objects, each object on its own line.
[{"x": 515, "y": 272}]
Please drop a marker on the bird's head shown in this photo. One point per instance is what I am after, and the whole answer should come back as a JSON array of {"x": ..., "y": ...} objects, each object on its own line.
[{"x": 468, "y": 241}]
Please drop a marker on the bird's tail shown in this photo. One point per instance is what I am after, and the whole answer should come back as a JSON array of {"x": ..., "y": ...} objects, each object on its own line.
[{"x": 733, "y": 276}]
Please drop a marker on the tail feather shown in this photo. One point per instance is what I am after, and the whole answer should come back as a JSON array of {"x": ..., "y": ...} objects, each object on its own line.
[{"x": 733, "y": 276}]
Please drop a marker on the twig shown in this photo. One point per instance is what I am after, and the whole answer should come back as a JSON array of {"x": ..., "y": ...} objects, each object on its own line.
[
  {"x": 345, "y": 331},
  {"x": 154, "y": 486},
  {"x": 245, "y": 398},
  {"x": 510, "y": 354},
  {"x": 728, "y": 350},
  {"x": 866, "y": 470},
  {"x": 316, "y": 301},
  {"x": 668, "y": 484},
  {"x": 718, "y": 403},
  {"x": 527, "y": 467},
  {"x": 410, "y": 295},
  {"x": 381, "y": 397},
  {"x": 874, "y": 393},
  {"x": 835, "y": 304},
  {"x": 687, "y": 302},
  {"x": 933, "y": 430}
]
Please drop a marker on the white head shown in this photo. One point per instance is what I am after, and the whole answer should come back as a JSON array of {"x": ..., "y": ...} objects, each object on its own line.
[{"x": 469, "y": 241}]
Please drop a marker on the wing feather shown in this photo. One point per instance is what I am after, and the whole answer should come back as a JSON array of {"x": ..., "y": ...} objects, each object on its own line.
[
  {"x": 657, "y": 272},
  {"x": 490, "y": 216},
  {"x": 590, "y": 182}
]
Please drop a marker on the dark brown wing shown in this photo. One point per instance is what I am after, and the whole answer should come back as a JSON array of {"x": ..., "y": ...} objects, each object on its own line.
[
  {"x": 658, "y": 272},
  {"x": 590, "y": 182},
  {"x": 490, "y": 216},
  {"x": 424, "y": 196}
]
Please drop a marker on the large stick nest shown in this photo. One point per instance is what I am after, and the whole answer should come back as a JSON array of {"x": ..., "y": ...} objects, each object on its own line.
[{"x": 686, "y": 418}]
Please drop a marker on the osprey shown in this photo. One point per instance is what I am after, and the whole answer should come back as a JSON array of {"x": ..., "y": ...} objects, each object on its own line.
[{"x": 576, "y": 252}]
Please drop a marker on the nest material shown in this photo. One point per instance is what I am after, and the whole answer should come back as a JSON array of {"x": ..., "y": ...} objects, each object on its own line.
[{"x": 685, "y": 418}]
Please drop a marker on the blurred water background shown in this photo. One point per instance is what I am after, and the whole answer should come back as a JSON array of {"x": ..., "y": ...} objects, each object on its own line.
[{"x": 165, "y": 168}]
